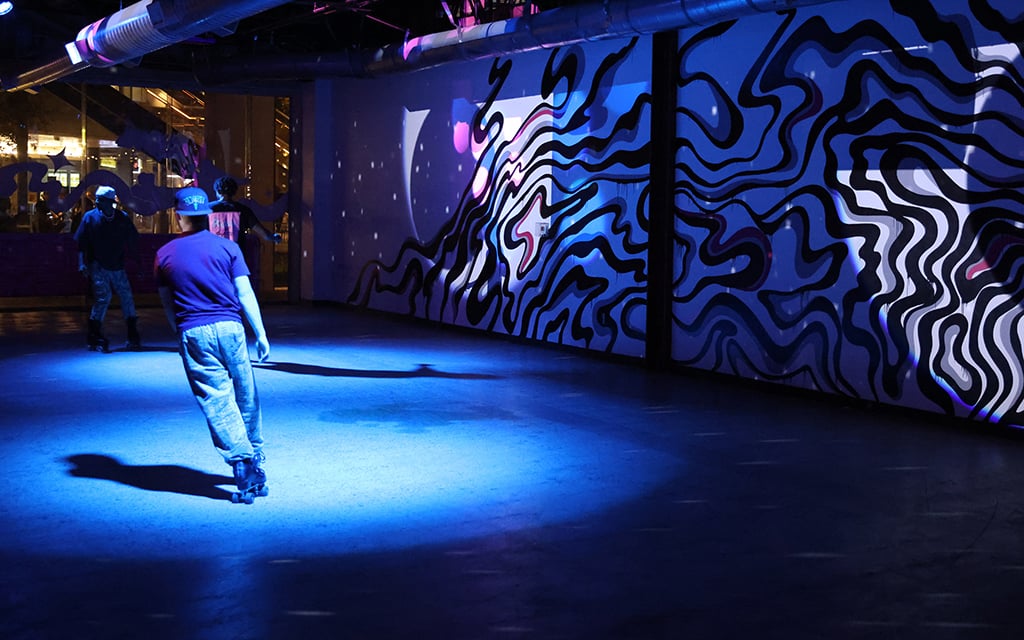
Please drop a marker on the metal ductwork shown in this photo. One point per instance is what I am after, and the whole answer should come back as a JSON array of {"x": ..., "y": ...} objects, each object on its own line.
[
  {"x": 549, "y": 28},
  {"x": 136, "y": 30},
  {"x": 150, "y": 25},
  {"x": 568, "y": 25}
]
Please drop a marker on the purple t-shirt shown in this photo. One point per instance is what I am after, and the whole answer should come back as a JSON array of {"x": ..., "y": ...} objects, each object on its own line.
[{"x": 200, "y": 270}]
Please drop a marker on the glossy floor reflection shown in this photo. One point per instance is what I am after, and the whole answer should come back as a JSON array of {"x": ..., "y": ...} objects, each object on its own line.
[{"x": 434, "y": 483}]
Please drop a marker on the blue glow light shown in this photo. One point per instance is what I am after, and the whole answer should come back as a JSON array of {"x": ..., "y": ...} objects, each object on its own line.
[
  {"x": 6, "y": 7},
  {"x": 367, "y": 450}
]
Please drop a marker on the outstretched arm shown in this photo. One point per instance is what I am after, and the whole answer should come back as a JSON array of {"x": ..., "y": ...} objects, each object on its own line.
[
  {"x": 250, "y": 221},
  {"x": 265, "y": 234},
  {"x": 251, "y": 310}
]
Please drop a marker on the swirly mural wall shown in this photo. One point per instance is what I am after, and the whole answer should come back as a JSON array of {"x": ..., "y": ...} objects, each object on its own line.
[
  {"x": 850, "y": 202},
  {"x": 522, "y": 208},
  {"x": 849, "y": 208}
]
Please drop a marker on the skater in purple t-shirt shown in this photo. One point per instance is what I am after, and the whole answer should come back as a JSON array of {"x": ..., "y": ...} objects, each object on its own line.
[{"x": 205, "y": 289}]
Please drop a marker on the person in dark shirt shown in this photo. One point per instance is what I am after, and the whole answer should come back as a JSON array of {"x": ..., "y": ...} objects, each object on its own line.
[
  {"x": 204, "y": 286},
  {"x": 103, "y": 237},
  {"x": 40, "y": 221},
  {"x": 236, "y": 222},
  {"x": 8, "y": 221}
]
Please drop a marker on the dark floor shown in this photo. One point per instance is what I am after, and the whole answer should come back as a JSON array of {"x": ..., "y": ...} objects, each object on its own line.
[{"x": 433, "y": 483}]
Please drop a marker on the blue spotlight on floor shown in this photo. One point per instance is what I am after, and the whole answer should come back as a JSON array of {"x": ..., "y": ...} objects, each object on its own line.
[{"x": 368, "y": 450}]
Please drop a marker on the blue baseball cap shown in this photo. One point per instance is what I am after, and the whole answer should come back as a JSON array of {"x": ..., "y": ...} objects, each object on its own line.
[
  {"x": 192, "y": 201},
  {"x": 106, "y": 193}
]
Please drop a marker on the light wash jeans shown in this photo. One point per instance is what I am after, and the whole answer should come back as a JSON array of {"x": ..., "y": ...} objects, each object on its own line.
[
  {"x": 216, "y": 359},
  {"x": 105, "y": 280}
]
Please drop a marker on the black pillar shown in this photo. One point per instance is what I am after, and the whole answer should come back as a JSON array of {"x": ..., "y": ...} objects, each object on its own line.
[{"x": 661, "y": 205}]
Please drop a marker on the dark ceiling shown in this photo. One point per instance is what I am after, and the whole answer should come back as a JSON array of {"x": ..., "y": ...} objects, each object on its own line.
[{"x": 35, "y": 33}]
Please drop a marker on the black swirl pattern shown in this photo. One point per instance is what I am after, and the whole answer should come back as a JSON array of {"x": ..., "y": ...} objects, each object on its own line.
[
  {"x": 577, "y": 165},
  {"x": 850, "y": 195}
]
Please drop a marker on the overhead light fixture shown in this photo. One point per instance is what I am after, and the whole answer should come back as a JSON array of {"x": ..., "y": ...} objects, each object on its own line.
[
  {"x": 73, "y": 53},
  {"x": 6, "y": 7}
]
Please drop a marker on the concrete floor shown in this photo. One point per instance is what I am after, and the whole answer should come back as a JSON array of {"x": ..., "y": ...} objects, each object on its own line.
[{"x": 434, "y": 483}]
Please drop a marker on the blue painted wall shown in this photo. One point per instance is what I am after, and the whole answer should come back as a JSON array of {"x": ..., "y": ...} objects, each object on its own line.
[{"x": 849, "y": 205}]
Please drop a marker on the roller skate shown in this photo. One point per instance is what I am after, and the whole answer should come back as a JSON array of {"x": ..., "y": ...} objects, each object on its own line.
[
  {"x": 95, "y": 338},
  {"x": 134, "y": 342},
  {"x": 250, "y": 480},
  {"x": 258, "y": 459},
  {"x": 257, "y": 464}
]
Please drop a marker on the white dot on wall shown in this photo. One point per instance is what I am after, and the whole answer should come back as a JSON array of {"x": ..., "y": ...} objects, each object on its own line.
[
  {"x": 371, "y": 164},
  {"x": 305, "y": 254},
  {"x": 813, "y": 74},
  {"x": 359, "y": 177},
  {"x": 339, "y": 164},
  {"x": 417, "y": 169},
  {"x": 376, "y": 235},
  {"x": 459, "y": 168},
  {"x": 332, "y": 257},
  {"x": 447, "y": 209},
  {"x": 714, "y": 110},
  {"x": 394, "y": 196},
  {"x": 421, "y": 146}
]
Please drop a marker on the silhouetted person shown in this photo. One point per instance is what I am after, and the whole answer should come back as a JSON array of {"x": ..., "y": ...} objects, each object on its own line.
[
  {"x": 103, "y": 237},
  {"x": 8, "y": 221},
  {"x": 40, "y": 220},
  {"x": 204, "y": 286}
]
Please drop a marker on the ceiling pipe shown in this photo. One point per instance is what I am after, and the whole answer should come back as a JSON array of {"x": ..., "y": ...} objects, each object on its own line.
[
  {"x": 546, "y": 29},
  {"x": 136, "y": 30},
  {"x": 568, "y": 25}
]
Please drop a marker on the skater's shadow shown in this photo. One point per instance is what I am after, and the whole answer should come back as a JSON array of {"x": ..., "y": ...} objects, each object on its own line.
[
  {"x": 165, "y": 477},
  {"x": 421, "y": 371}
]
